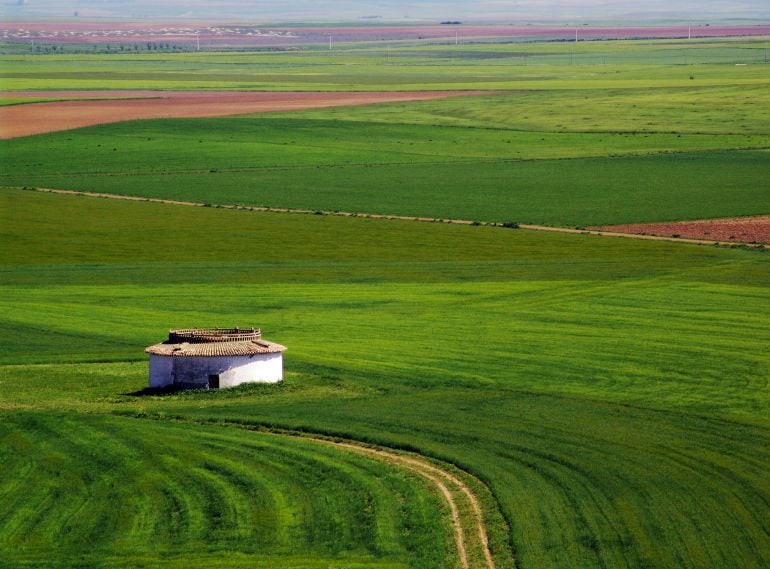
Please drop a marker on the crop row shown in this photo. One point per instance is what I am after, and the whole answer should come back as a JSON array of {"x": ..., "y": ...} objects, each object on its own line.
[{"x": 79, "y": 488}]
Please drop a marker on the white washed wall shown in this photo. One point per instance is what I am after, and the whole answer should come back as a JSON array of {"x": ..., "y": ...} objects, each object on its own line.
[
  {"x": 232, "y": 370},
  {"x": 161, "y": 368}
]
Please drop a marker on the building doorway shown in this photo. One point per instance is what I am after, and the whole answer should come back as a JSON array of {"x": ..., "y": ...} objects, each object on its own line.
[{"x": 214, "y": 381}]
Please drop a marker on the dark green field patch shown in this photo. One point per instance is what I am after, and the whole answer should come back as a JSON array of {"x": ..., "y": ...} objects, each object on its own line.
[
  {"x": 407, "y": 169},
  {"x": 564, "y": 192}
]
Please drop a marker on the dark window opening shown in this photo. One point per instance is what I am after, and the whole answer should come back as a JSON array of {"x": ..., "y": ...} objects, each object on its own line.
[{"x": 214, "y": 381}]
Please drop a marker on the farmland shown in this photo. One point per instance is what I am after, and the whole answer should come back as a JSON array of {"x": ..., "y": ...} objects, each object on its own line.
[
  {"x": 577, "y": 383},
  {"x": 584, "y": 144},
  {"x": 409, "y": 67},
  {"x": 607, "y": 397},
  {"x": 745, "y": 229},
  {"x": 75, "y": 111}
]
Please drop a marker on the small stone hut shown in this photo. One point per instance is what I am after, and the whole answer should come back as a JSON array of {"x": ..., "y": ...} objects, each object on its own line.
[{"x": 214, "y": 358}]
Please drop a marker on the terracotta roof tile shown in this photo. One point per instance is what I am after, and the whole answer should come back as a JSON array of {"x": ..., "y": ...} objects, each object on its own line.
[{"x": 213, "y": 342}]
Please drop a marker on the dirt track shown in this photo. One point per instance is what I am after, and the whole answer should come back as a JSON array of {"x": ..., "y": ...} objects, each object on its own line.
[
  {"x": 451, "y": 487},
  {"x": 465, "y": 508},
  {"x": 412, "y": 218},
  {"x": 39, "y": 118}
]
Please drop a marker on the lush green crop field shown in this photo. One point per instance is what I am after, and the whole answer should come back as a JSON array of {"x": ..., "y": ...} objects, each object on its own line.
[
  {"x": 541, "y": 65},
  {"x": 552, "y": 158},
  {"x": 612, "y": 393},
  {"x": 642, "y": 138},
  {"x": 88, "y": 491}
]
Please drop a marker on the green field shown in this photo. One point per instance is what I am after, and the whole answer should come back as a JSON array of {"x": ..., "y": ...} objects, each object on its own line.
[
  {"x": 537, "y": 158},
  {"x": 642, "y": 138},
  {"x": 403, "y": 66},
  {"x": 95, "y": 491},
  {"x": 8, "y": 101},
  {"x": 610, "y": 394}
]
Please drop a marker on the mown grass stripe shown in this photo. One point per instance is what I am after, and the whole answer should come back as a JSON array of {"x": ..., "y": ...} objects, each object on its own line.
[{"x": 215, "y": 493}]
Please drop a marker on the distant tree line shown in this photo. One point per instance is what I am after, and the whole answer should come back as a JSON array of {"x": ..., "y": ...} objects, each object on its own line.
[{"x": 58, "y": 48}]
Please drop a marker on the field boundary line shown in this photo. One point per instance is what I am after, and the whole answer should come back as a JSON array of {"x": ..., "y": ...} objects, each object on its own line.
[{"x": 527, "y": 226}]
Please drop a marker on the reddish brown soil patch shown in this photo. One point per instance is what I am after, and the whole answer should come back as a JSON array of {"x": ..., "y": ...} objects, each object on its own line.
[
  {"x": 738, "y": 229},
  {"x": 24, "y": 120}
]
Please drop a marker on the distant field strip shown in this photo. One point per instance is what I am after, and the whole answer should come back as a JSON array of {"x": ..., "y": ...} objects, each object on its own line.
[
  {"x": 607, "y": 233},
  {"x": 563, "y": 158},
  {"x": 401, "y": 66},
  {"x": 25, "y": 120}
]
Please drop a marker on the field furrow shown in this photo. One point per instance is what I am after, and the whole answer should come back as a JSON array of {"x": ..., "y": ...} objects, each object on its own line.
[{"x": 226, "y": 492}]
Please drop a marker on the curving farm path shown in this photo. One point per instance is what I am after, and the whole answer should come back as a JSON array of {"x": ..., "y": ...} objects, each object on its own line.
[
  {"x": 474, "y": 551},
  {"x": 470, "y": 533}
]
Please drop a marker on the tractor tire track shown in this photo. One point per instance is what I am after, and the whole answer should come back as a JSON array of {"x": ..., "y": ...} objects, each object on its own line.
[{"x": 442, "y": 480}]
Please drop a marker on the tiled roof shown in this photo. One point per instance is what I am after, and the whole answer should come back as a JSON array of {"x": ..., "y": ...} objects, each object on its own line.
[
  {"x": 214, "y": 342},
  {"x": 248, "y": 348}
]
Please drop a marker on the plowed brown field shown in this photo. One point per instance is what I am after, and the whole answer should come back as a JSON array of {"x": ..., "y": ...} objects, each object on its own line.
[
  {"x": 737, "y": 229},
  {"x": 37, "y": 118}
]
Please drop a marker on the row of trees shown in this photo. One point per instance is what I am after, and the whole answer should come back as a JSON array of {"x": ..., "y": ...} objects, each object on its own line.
[{"x": 108, "y": 48}]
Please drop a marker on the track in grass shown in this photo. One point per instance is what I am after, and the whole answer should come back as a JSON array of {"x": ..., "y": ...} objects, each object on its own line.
[
  {"x": 474, "y": 164},
  {"x": 751, "y": 239},
  {"x": 453, "y": 489}
]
